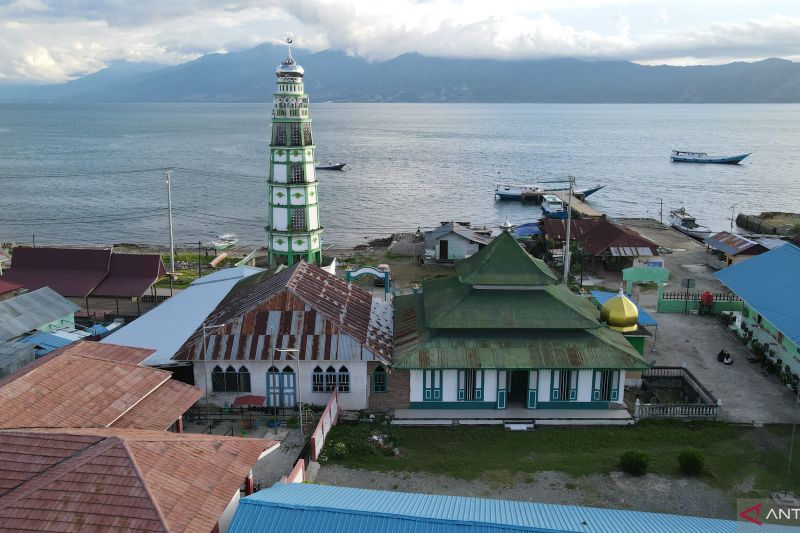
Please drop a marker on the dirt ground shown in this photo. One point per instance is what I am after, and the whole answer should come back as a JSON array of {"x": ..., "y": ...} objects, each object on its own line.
[{"x": 653, "y": 493}]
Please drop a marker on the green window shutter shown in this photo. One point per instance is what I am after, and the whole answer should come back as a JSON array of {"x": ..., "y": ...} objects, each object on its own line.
[
  {"x": 502, "y": 376},
  {"x": 597, "y": 380},
  {"x": 479, "y": 385},
  {"x": 533, "y": 385},
  {"x": 615, "y": 386},
  {"x": 555, "y": 380},
  {"x": 573, "y": 384},
  {"x": 461, "y": 380}
]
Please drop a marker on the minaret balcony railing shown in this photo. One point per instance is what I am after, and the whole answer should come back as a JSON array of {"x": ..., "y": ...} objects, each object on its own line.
[{"x": 300, "y": 113}]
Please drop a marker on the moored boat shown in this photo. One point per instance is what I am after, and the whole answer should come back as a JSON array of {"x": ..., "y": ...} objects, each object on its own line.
[
  {"x": 224, "y": 241},
  {"x": 553, "y": 206},
  {"x": 505, "y": 191},
  {"x": 687, "y": 224},
  {"x": 683, "y": 156},
  {"x": 330, "y": 166}
]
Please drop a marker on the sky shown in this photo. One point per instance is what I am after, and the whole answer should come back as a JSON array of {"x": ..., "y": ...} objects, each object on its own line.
[{"x": 52, "y": 41}]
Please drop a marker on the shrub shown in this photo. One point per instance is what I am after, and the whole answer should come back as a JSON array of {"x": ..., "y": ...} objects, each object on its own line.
[
  {"x": 634, "y": 463},
  {"x": 339, "y": 450},
  {"x": 691, "y": 462}
]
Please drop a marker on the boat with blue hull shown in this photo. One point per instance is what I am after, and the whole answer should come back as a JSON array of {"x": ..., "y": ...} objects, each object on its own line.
[
  {"x": 504, "y": 191},
  {"x": 682, "y": 156},
  {"x": 553, "y": 206}
]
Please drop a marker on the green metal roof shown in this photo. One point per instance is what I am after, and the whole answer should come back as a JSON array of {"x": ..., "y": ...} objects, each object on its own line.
[
  {"x": 504, "y": 262},
  {"x": 450, "y": 304},
  {"x": 417, "y": 346}
]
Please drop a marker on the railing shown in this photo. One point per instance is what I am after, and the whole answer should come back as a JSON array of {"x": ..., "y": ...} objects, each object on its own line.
[
  {"x": 327, "y": 420},
  {"x": 685, "y": 374},
  {"x": 708, "y": 407},
  {"x": 158, "y": 298},
  {"x": 673, "y": 410},
  {"x": 693, "y": 296}
]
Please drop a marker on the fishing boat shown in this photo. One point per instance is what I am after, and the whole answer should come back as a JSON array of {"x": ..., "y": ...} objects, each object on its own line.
[
  {"x": 553, "y": 206},
  {"x": 505, "y": 191},
  {"x": 682, "y": 156},
  {"x": 687, "y": 224},
  {"x": 331, "y": 165},
  {"x": 224, "y": 241}
]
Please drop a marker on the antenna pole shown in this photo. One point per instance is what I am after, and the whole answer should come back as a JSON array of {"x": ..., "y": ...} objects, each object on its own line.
[
  {"x": 569, "y": 226},
  {"x": 168, "y": 174}
]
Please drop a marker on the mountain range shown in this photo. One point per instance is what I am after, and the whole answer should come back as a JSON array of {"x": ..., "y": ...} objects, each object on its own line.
[{"x": 248, "y": 76}]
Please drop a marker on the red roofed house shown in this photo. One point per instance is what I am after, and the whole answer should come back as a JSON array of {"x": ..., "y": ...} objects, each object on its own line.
[
  {"x": 8, "y": 289},
  {"x": 292, "y": 336},
  {"x": 93, "y": 385},
  {"x": 122, "y": 479},
  {"x": 613, "y": 245}
]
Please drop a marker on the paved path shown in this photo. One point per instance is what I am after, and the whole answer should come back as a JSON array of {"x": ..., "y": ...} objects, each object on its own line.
[
  {"x": 273, "y": 466},
  {"x": 747, "y": 392}
]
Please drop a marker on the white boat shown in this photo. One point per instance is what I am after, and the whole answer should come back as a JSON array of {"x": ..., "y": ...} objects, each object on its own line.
[
  {"x": 683, "y": 156},
  {"x": 505, "y": 191},
  {"x": 224, "y": 241},
  {"x": 553, "y": 206},
  {"x": 687, "y": 224}
]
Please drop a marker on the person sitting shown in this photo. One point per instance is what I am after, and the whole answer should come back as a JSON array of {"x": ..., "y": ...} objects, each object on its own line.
[
  {"x": 721, "y": 356},
  {"x": 728, "y": 360}
]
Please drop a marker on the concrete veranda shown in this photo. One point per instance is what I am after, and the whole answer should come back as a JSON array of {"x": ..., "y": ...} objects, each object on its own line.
[{"x": 747, "y": 392}]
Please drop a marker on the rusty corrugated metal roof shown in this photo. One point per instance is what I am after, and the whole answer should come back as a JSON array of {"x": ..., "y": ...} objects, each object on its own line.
[
  {"x": 88, "y": 384},
  {"x": 300, "y": 307},
  {"x": 120, "y": 479},
  {"x": 600, "y": 234},
  {"x": 732, "y": 244}
]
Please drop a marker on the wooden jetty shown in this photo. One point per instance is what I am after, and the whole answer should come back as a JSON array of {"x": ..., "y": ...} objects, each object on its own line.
[{"x": 579, "y": 207}]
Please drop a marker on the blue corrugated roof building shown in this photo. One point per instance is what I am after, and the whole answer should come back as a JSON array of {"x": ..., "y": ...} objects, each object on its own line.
[
  {"x": 300, "y": 508},
  {"x": 770, "y": 284},
  {"x": 45, "y": 342}
]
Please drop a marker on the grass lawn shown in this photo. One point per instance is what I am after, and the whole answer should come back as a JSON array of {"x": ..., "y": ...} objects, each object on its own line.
[
  {"x": 186, "y": 265},
  {"x": 733, "y": 454}
]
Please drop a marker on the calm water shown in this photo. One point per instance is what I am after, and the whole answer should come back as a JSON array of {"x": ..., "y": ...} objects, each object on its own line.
[{"x": 62, "y": 167}]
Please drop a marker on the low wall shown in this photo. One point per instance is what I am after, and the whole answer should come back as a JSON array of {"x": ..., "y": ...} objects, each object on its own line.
[
  {"x": 328, "y": 419},
  {"x": 298, "y": 473},
  {"x": 677, "y": 303},
  {"x": 706, "y": 405}
]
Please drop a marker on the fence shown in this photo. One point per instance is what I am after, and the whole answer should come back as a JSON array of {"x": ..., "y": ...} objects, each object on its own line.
[
  {"x": 708, "y": 408},
  {"x": 298, "y": 473},
  {"x": 327, "y": 420},
  {"x": 683, "y": 302}
]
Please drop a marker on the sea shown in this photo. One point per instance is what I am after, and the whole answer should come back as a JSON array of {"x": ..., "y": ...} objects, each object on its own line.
[{"x": 93, "y": 174}]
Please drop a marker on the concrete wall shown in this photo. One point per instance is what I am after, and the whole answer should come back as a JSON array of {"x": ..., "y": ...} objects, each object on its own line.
[
  {"x": 398, "y": 390},
  {"x": 678, "y": 306},
  {"x": 458, "y": 247},
  {"x": 354, "y": 400}
]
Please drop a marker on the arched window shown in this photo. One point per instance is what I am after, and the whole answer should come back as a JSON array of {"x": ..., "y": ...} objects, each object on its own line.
[
  {"x": 330, "y": 379},
  {"x": 288, "y": 368},
  {"x": 217, "y": 380},
  {"x": 317, "y": 380},
  {"x": 344, "y": 379},
  {"x": 231, "y": 380},
  {"x": 244, "y": 379},
  {"x": 307, "y": 140},
  {"x": 379, "y": 381}
]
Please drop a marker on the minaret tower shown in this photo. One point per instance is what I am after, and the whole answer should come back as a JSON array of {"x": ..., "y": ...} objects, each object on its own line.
[{"x": 294, "y": 230}]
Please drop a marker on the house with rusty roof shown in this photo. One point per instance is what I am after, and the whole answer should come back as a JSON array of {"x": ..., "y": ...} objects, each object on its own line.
[
  {"x": 730, "y": 248},
  {"x": 115, "y": 479},
  {"x": 606, "y": 244},
  {"x": 503, "y": 333},
  {"x": 93, "y": 385},
  {"x": 292, "y": 336}
]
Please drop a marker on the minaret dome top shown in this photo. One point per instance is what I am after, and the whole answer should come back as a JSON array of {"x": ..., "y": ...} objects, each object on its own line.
[{"x": 288, "y": 68}]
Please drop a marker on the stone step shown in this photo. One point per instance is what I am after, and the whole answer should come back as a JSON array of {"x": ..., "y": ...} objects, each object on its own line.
[
  {"x": 518, "y": 427},
  {"x": 423, "y": 422}
]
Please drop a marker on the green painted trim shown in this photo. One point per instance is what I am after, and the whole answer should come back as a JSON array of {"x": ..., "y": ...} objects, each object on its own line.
[
  {"x": 430, "y": 404},
  {"x": 433, "y": 390},
  {"x": 573, "y": 405},
  {"x": 571, "y": 389}
]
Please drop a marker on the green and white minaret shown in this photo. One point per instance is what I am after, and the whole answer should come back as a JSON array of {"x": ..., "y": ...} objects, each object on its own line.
[{"x": 294, "y": 230}]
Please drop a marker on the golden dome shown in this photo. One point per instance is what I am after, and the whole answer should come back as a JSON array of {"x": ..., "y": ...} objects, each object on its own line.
[{"x": 620, "y": 313}]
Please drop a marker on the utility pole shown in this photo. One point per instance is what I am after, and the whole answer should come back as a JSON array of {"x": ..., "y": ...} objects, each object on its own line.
[
  {"x": 569, "y": 225},
  {"x": 661, "y": 211},
  {"x": 168, "y": 174},
  {"x": 732, "y": 208},
  {"x": 199, "y": 268}
]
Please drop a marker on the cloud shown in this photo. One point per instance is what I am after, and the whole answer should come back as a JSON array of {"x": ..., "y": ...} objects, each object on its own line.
[{"x": 57, "y": 40}]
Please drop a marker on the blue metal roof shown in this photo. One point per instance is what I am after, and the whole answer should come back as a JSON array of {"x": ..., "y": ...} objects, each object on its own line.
[
  {"x": 300, "y": 507},
  {"x": 96, "y": 329},
  {"x": 47, "y": 342},
  {"x": 526, "y": 230},
  {"x": 645, "y": 319},
  {"x": 770, "y": 284}
]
